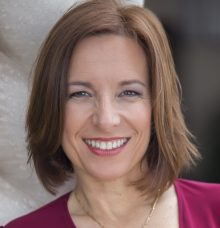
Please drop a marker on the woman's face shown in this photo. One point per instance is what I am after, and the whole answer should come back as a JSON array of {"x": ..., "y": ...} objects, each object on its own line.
[{"x": 108, "y": 110}]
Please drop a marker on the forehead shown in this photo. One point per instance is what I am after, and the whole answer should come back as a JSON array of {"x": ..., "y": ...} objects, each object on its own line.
[{"x": 108, "y": 55}]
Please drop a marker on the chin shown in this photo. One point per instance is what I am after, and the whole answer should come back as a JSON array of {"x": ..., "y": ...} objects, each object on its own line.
[{"x": 111, "y": 173}]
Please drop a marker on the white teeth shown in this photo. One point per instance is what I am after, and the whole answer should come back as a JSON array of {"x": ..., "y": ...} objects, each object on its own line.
[
  {"x": 103, "y": 146},
  {"x": 109, "y": 145},
  {"x": 93, "y": 143},
  {"x": 114, "y": 144},
  {"x": 97, "y": 144},
  {"x": 106, "y": 145}
]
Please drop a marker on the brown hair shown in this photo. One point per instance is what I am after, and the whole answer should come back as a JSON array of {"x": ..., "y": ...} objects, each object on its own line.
[{"x": 170, "y": 148}]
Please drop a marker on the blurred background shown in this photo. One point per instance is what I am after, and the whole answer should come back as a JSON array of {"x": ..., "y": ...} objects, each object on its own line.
[
  {"x": 194, "y": 33},
  {"x": 193, "y": 28}
]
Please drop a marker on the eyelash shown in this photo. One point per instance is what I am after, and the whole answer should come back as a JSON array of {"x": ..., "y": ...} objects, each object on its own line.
[
  {"x": 130, "y": 93},
  {"x": 126, "y": 93},
  {"x": 79, "y": 94}
]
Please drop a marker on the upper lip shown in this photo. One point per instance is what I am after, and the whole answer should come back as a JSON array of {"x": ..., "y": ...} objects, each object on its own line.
[{"x": 107, "y": 139}]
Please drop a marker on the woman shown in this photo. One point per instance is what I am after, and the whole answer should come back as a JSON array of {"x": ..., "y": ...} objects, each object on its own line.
[{"x": 105, "y": 106}]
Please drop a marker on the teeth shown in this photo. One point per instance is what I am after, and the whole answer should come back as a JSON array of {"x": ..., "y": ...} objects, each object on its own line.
[
  {"x": 109, "y": 145},
  {"x": 103, "y": 145},
  {"x": 114, "y": 144},
  {"x": 97, "y": 144},
  {"x": 93, "y": 144}
]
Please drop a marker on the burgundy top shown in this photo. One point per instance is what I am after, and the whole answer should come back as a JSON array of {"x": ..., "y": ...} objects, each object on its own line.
[{"x": 199, "y": 207}]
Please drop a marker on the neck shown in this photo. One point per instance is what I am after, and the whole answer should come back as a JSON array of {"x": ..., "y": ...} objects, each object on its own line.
[{"x": 112, "y": 201}]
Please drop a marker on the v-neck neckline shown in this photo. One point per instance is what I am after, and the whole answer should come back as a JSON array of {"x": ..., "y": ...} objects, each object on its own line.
[{"x": 70, "y": 221}]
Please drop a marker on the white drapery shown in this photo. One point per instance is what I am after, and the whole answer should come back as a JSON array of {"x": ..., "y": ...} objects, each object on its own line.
[{"x": 23, "y": 26}]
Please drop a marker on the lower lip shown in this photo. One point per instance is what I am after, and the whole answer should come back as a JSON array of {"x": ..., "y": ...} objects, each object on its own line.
[{"x": 106, "y": 153}]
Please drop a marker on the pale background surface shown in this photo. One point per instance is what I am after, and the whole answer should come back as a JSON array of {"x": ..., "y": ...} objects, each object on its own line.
[{"x": 23, "y": 26}]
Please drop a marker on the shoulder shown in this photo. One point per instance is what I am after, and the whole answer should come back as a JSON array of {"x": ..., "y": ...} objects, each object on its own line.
[
  {"x": 198, "y": 190},
  {"x": 49, "y": 215},
  {"x": 199, "y": 203}
]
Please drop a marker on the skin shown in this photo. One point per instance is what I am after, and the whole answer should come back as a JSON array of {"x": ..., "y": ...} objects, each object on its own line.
[{"x": 108, "y": 96}]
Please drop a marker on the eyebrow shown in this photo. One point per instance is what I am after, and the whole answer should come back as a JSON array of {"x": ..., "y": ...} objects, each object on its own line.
[
  {"x": 122, "y": 83},
  {"x": 129, "y": 82},
  {"x": 81, "y": 83}
]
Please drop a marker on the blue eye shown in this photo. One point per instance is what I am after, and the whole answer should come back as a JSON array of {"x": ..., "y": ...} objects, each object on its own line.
[
  {"x": 79, "y": 94},
  {"x": 129, "y": 93}
]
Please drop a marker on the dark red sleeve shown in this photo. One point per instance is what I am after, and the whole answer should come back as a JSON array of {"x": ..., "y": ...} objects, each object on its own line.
[
  {"x": 54, "y": 214},
  {"x": 199, "y": 204}
]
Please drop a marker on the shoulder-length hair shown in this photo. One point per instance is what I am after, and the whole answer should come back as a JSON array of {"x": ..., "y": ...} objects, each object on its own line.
[{"x": 170, "y": 148}]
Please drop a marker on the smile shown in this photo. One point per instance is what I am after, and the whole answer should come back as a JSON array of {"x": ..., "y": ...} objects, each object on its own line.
[{"x": 106, "y": 145}]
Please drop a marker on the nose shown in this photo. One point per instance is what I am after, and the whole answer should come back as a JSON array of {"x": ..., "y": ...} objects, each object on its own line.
[{"x": 106, "y": 115}]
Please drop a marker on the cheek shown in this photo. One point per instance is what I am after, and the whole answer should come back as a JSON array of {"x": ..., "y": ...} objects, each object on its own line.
[
  {"x": 71, "y": 123},
  {"x": 140, "y": 114},
  {"x": 74, "y": 117},
  {"x": 143, "y": 122}
]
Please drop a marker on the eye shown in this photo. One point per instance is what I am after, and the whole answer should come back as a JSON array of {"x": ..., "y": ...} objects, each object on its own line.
[
  {"x": 130, "y": 93},
  {"x": 79, "y": 94}
]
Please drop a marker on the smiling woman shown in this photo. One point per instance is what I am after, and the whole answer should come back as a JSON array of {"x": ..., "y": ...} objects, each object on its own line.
[
  {"x": 105, "y": 106},
  {"x": 108, "y": 90}
]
